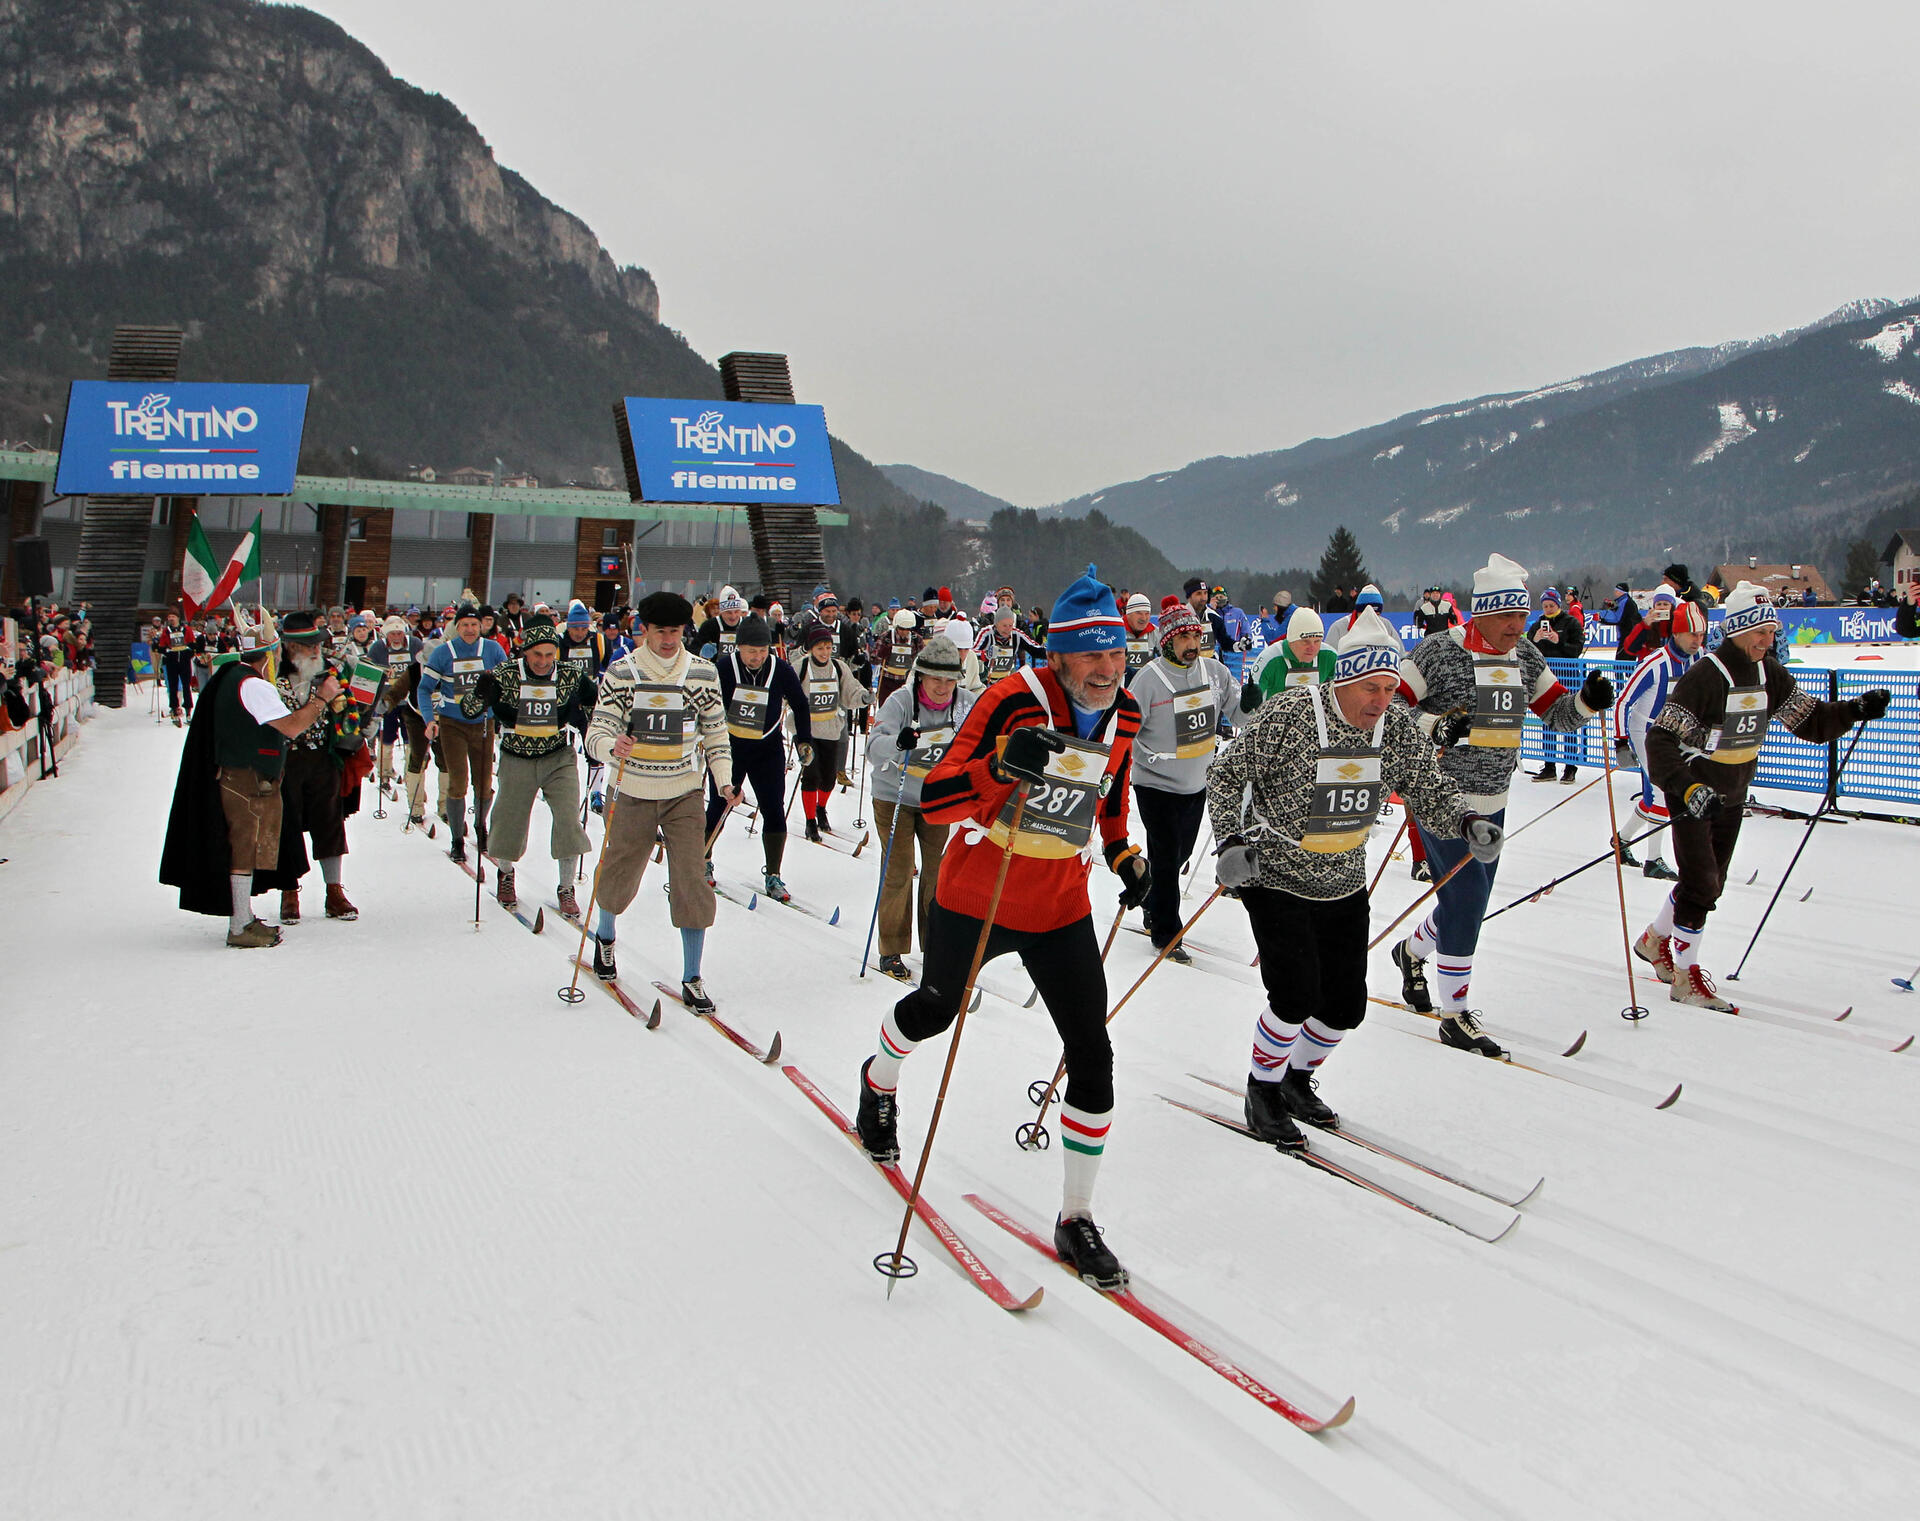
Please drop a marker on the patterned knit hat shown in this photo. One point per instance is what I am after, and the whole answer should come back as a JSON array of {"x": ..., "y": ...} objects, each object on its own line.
[
  {"x": 939, "y": 658},
  {"x": 1179, "y": 619},
  {"x": 1369, "y": 597},
  {"x": 1085, "y": 619},
  {"x": 1500, "y": 586},
  {"x": 1369, "y": 647},
  {"x": 539, "y": 632},
  {"x": 1747, "y": 607}
]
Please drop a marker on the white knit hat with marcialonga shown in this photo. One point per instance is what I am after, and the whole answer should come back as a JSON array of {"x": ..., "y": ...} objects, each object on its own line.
[{"x": 1500, "y": 586}]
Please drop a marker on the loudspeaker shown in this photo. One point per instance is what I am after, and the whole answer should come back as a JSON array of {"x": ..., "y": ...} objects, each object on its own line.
[{"x": 33, "y": 567}]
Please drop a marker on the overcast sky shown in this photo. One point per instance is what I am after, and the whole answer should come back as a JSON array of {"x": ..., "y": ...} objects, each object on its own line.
[{"x": 1046, "y": 247}]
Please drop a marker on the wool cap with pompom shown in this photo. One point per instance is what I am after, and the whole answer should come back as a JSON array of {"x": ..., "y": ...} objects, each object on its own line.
[{"x": 1085, "y": 619}]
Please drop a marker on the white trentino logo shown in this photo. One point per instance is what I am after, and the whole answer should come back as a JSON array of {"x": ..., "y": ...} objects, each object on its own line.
[
  {"x": 152, "y": 421},
  {"x": 710, "y": 434}
]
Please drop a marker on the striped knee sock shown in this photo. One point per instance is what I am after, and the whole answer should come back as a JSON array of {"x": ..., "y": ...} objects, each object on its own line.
[
  {"x": 1273, "y": 1041},
  {"x": 1083, "y": 1139},
  {"x": 1424, "y": 941},
  {"x": 1452, "y": 974},
  {"x": 1315, "y": 1045},
  {"x": 894, "y": 1048}
]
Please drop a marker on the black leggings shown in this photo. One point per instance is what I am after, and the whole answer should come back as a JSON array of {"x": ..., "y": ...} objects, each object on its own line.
[
  {"x": 763, "y": 762},
  {"x": 823, "y": 771},
  {"x": 1313, "y": 955},
  {"x": 1065, "y": 966},
  {"x": 1702, "y": 851},
  {"x": 1172, "y": 822}
]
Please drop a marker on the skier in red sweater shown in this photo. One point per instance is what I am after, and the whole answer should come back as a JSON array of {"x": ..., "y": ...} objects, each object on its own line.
[{"x": 1066, "y": 731}]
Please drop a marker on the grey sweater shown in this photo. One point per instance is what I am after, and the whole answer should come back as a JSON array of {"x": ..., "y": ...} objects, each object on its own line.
[
  {"x": 1437, "y": 679},
  {"x": 1261, "y": 788},
  {"x": 1157, "y": 687}
]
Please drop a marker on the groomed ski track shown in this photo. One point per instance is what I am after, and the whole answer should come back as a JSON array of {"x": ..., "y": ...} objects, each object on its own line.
[{"x": 373, "y": 1223}]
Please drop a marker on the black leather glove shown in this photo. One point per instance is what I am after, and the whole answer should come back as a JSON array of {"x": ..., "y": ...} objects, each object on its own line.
[
  {"x": 1234, "y": 864},
  {"x": 487, "y": 688},
  {"x": 1250, "y": 695},
  {"x": 1452, "y": 728},
  {"x": 1026, "y": 753},
  {"x": 907, "y": 738},
  {"x": 1872, "y": 705},
  {"x": 1701, "y": 801},
  {"x": 1131, "y": 868},
  {"x": 1597, "y": 692}
]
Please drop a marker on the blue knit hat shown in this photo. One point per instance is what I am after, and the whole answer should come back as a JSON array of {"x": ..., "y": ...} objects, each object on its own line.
[
  {"x": 1369, "y": 597},
  {"x": 1086, "y": 619},
  {"x": 577, "y": 615}
]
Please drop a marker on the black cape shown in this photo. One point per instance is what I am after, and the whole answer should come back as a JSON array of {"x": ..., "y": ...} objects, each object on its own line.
[{"x": 196, "y": 855}]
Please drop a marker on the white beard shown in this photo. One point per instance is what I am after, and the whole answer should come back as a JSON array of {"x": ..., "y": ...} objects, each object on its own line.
[{"x": 301, "y": 671}]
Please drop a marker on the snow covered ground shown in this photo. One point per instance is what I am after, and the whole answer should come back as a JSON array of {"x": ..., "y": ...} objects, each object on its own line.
[{"x": 374, "y": 1225}]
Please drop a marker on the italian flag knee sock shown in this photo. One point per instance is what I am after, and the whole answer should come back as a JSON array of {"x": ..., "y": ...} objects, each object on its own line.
[
  {"x": 1315, "y": 1045},
  {"x": 1424, "y": 941},
  {"x": 1273, "y": 1043},
  {"x": 1685, "y": 946},
  {"x": 883, "y": 1076},
  {"x": 1083, "y": 1140}
]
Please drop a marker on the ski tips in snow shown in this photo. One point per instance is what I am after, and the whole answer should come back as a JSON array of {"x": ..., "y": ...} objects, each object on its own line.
[
  {"x": 653, "y": 1019},
  {"x": 834, "y": 917},
  {"x": 753, "y": 902}
]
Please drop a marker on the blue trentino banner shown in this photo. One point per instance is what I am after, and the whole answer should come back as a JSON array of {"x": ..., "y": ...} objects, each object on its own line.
[
  {"x": 731, "y": 451},
  {"x": 1798, "y": 626},
  {"x": 171, "y": 438}
]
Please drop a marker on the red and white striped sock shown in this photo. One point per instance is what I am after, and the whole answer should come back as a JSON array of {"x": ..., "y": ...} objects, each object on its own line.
[
  {"x": 1684, "y": 946},
  {"x": 1083, "y": 1141},
  {"x": 1451, "y": 978},
  {"x": 894, "y": 1048},
  {"x": 1424, "y": 941},
  {"x": 1315, "y": 1045},
  {"x": 1273, "y": 1045}
]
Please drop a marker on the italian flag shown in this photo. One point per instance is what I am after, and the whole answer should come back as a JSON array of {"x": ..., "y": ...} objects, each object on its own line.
[
  {"x": 365, "y": 685},
  {"x": 200, "y": 587}
]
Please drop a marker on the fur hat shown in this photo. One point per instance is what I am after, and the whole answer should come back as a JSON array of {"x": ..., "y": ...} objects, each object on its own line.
[
  {"x": 939, "y": 657},
  {"x": 1500, "y": 586},
  {"x": 1368, "y": 647},
  {"x": 1747, "y": 607},
  {"x": 1084, "y": 618}
]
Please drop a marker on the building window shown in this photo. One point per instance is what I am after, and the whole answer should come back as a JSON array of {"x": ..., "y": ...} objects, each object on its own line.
[
  {"x": 406, "y": 591},
  {"x": 609, "y": 538},
  {"x": 510, "y": 528},
  {"x": 357, "y": 529},
  {"x": 555, "y": 591},
  {"x": 64, "y": 509},
  {"x": 162, "y": 514},
  {"x": 153, "y": 588}
]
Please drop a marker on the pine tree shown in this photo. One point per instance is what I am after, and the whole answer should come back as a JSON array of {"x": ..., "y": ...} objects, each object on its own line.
[
  {"x": 1340, "y": 565},
  {"x": 1863, "y": 564}
]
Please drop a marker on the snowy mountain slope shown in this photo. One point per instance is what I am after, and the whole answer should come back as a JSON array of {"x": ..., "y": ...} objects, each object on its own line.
[
  {"x": 1601, "y": 469},
  {"x": 374, "y": 1221}
]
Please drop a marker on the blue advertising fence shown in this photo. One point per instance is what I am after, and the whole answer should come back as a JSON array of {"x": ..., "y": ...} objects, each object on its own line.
[
  {"x": 166, "y": 438},
  {"x": 1885, "y": 767}
]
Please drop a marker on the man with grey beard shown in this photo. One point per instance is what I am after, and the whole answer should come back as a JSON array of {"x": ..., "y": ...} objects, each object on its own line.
[{"x": 310, "y": 786}]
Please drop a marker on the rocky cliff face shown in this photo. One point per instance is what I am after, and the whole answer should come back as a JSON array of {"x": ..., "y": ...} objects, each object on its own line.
[{"x": 134, "y": 129}]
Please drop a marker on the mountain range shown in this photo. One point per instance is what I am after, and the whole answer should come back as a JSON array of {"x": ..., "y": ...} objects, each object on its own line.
[
  {"x": 256, "y": 175},
  {"x": 1773, "y": 446}
]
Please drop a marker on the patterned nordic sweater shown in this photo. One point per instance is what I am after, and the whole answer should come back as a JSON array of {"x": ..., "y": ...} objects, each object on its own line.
[
  {"x": 708, "y": 752},
  {"x": 573, "y": 703},
  {"x": 1697, "y": 703},
  {"x": 1437, "y": 679},
  {"x": 1261, "y": 788}
]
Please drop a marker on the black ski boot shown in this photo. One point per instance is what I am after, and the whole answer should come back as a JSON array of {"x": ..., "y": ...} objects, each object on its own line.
[
  {"x": 1627, "y": 857},
  {"x": 603, "y": 966},
  {"x": 1271, "y": 1118},
  {"x": 1179, "y": 953},
  {"x": 896, "y": 967},
  {"x": 1077, "y": 1241},
  {"x": 1413, "y": 979},
  {"x": 458, "y": 852},
  {"x": 813, "y": 831},
  {"x": 1547, "y": 773},
  {"x": 1659, "y": 870},
  {"x": 877, "y": 1120},
  {"x": 1463, "y": 1032},
  {"x": 693, "y": 993},
  {"x": 1296, "y": 1090}
]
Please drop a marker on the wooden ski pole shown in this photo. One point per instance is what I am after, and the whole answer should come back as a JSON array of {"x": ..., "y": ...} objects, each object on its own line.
[
  {"x": 898, "y": 1264},
  {"x": 1635, "y": 1010},
  {"x": 573, "y": 992},
  {"x": 1032, "y": 1136},
  {"x": 1389, "y": 855},
  {"x": 1458, "y": 866},
  {"x": 1105, "y": 946}
]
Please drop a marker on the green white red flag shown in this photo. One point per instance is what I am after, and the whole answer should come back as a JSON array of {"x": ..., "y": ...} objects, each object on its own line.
[
  {"x": 201, "y": 587},
  {"x": 365, "y": 685}
]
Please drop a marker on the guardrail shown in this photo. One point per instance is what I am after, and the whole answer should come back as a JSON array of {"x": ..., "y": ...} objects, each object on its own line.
[
  {"x": 1885, "y": 767},
  {"x": 22, "y": 751}
]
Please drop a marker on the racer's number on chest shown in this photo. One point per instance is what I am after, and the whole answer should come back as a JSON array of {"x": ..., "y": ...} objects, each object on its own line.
[
  {"x": 657, "y": 721},
  {"x": 1499, "y": 704}
]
